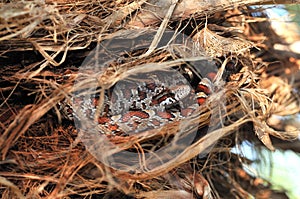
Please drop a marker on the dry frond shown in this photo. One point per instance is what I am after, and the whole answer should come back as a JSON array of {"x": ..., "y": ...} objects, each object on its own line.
[
  {"x": 218, "y": 46},
  {"x": 48, "y": 68}
]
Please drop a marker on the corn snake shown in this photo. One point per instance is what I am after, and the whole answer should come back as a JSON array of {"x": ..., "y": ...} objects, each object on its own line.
[{"x": 145, "y": 102}]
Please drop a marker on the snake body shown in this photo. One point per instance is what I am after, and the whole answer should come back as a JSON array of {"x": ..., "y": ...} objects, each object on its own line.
[{"x": 144, "y": 102}]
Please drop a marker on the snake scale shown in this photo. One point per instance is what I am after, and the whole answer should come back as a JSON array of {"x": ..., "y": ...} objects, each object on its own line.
[{"x": 144, "y": 102}]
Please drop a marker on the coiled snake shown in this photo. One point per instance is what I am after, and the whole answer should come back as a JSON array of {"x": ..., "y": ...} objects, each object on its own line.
[{"x": 143, "y": 102}]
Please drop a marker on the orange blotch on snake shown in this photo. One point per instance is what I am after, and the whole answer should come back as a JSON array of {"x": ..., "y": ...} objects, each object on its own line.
[
  {"x": 165, "y": 115},
  {"x": 103, "y": 120},
  {"x": 201, "y": 100},
  {"x": 203, "y": 88},
  {"x": 141, "y": 114}
]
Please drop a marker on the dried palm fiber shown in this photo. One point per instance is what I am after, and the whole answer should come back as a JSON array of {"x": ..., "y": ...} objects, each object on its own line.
[
  {"x": 43, "y": 159},
  {"x": 218, "y": 46}
]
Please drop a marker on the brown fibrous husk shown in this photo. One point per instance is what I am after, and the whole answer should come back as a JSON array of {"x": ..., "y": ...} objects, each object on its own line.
[{"x": 42, "y": 155}]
